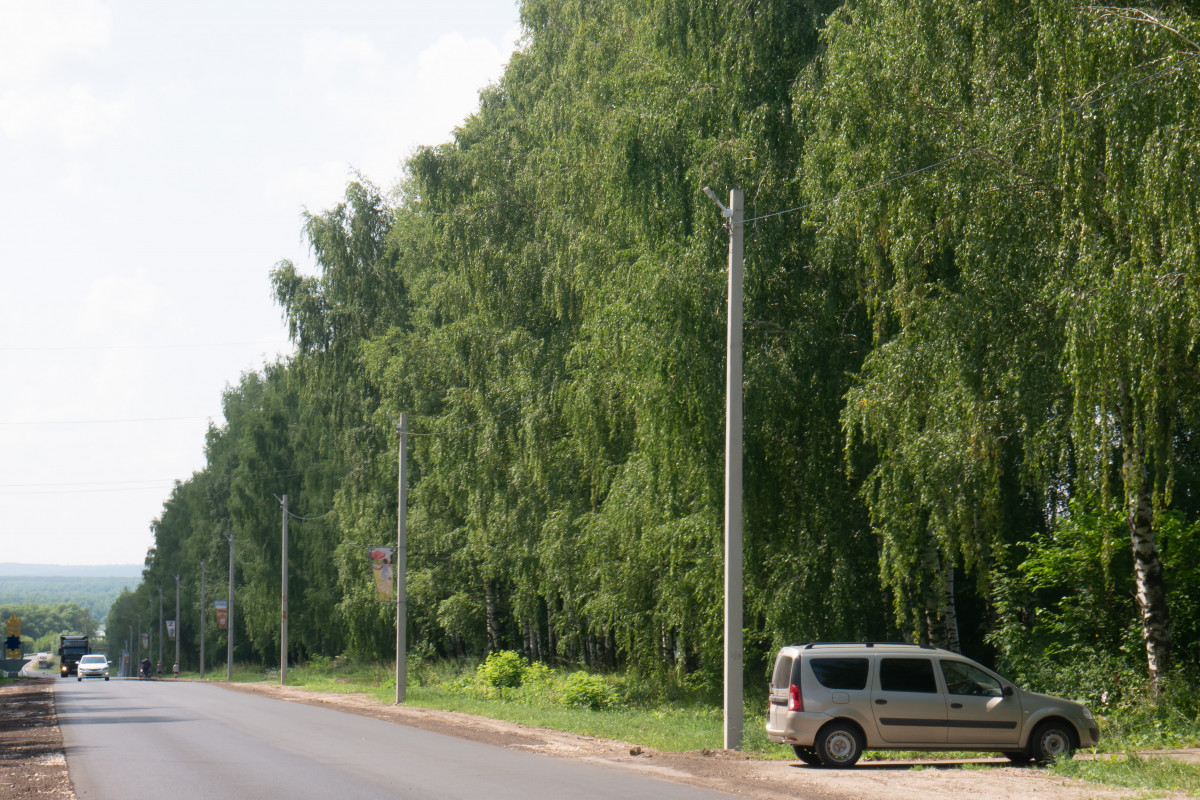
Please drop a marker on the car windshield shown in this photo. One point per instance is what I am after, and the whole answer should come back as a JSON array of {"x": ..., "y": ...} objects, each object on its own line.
[{"x": 92, "y": 660}]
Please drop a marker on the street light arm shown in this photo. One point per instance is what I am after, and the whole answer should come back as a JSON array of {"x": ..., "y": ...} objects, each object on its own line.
[{"x": 726, "y": 212}]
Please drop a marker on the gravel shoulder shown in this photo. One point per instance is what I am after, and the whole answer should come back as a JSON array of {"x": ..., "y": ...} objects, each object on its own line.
[{"x": 33, "y": 764}]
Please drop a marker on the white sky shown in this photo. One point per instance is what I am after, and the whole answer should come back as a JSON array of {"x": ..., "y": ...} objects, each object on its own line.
[{"x": 155, "y": 158}]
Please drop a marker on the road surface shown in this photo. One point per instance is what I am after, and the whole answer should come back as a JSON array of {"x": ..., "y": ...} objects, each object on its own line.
[{"x": 129, "y": 739}]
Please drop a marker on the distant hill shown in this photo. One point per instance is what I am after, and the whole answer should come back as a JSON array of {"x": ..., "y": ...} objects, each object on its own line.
[
  {"x": 10, "y": 570},
  {"x": 93, "y": 587}
]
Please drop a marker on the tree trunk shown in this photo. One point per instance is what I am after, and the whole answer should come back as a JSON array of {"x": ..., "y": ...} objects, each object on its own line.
[
  {"x": 1147, "y": 568},
  {"x": 939, "y": 618},
  {"x": 949, "y": 611},
  {"x": 493, "y": 630},
  {"x": 1151, "y": 591}
]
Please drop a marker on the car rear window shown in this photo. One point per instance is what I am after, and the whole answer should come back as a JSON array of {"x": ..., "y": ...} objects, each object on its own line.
[
  {"x": 783, "y": 671},
  {"x": 841, "y": 673},
  {"x": 906, "y": 675}
]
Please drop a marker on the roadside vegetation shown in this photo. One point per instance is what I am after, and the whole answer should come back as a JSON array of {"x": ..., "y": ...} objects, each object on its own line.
[{"x": 681, "y": 718}]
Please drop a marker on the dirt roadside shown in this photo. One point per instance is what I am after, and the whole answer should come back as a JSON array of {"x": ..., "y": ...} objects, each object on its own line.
[{"x": 32, "y": 761}]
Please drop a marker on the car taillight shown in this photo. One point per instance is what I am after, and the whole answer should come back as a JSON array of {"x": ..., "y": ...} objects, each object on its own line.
[{"x": 795, "y": 698}]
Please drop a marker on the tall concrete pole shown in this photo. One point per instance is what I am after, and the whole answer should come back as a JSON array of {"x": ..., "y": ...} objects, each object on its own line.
[
  {"x": 734, "y": 646},
  {"x": 203, "y": 615},
  {"x": 400, "y": 579},
  {"x": 229, "y": 618},
  {"x": 734, "y": 707},
  {"x": 160, "y": 626},
  {"x": 283, "y": 611},
  {"x": 178, "y": 627}
]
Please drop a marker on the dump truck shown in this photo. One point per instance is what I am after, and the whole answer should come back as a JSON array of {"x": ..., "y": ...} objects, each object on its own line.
[{"x": 71, "y": 648}]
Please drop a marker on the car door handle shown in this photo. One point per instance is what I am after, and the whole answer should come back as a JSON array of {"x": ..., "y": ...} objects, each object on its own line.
[
  {"x": 881, "y": 702},
  {"x": 956, "y": 705}
]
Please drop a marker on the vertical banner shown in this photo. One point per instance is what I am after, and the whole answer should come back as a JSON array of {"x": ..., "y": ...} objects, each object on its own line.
[
  {"x": 145, "y": 641},
  {"x": 12, "y": 638},
  {"x": 381, "y": 568},
  {"x": 171, "y": 629},
  {"x": 222, "y": 607}
]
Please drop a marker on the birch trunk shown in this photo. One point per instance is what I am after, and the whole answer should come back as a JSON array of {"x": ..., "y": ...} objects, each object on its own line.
[
  {"x": 1147, "y": 568},
  {"x": 1151, "y": 591}
]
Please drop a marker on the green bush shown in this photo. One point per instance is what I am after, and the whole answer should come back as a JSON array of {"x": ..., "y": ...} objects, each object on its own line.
[
  {"x": 589, "y": 691},
  {"x": 504, "y": 669}
]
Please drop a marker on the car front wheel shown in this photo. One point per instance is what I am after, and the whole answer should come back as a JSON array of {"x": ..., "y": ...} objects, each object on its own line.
[
  {"x": 838, "y": 745},
  {"x": 1051, "y": 740}
]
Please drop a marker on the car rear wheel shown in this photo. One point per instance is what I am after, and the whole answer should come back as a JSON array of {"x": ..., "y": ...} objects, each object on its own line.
[
  {"x": 838, "y": 745},
  {"x": 807, "y": 754},
  {"x": 1051, "y": 740}
]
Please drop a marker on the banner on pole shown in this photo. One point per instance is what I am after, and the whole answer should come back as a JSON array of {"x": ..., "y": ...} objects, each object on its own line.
[
  {"x": 381, "y": 568},
  {"x": 145, "y": 641},
  {"x": 222, "y": 607},
  {"x": 12, "y": 638},
  {"x": 171, "y": 629}
]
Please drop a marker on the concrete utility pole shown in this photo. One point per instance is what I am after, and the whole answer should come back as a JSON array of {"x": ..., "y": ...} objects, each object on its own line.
[
  {"x": 734, "y": 710},
  {"x": 203, "y": 616},
  {"x": 283, "y": 612},
  {"x": 229, "y": 618},
  {"x": 178, "y": 627},
  {"x": 401, "y": 572},
  {"x": 138, "y": 644},
  {"x": 160, "y": 626},
  {"x": 129, "y": 655}
]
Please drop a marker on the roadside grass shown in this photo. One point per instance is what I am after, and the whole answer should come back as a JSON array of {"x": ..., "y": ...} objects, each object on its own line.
[
  {"x": 678, "y": 726},
  {"x": 1131, "y": 771}
]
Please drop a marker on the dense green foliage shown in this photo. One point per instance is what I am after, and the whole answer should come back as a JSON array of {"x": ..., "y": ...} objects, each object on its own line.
[
  {"x": 43, "y": 623},
  {"x": 970, "y": 353},
  {"x": 93, "y": 593}
]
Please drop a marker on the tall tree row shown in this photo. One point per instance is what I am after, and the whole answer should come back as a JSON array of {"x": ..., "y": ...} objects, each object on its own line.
[{"x": 971, "y": 320}]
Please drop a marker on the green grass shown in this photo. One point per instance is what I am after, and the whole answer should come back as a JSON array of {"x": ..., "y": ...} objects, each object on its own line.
[{"x": 1130, "y": 771}]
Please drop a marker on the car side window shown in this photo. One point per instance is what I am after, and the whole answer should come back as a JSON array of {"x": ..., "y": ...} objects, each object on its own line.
[
  {"x": 965, "y": 679},
  {"x": 845, "y": 674},
  {"x": 907, "y": 675}
]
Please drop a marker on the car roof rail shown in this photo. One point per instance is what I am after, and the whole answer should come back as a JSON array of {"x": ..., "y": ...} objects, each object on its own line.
[{"x": 810, "y": 645}]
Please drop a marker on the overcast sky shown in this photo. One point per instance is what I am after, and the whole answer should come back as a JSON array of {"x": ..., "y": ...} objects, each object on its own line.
[{"x": 155, "y": 158}]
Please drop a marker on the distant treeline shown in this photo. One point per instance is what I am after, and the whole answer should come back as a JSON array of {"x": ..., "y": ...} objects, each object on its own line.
[{"x": 94, "y": 594}]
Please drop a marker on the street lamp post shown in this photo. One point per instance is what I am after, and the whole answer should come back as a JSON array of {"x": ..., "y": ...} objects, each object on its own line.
[
  {"x": 733, "y": 473},
  {"x": 229, "y": 617},
  {"x": 203, "y": 620},
  {"x": 178, "y": 627}
]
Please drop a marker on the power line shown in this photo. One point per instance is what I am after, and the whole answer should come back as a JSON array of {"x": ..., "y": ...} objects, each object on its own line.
[
  {"x": 136, "y": 346},
  {"x": 103, "y": 421}
]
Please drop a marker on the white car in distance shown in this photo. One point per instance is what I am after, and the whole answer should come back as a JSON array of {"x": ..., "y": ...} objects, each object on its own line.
[{"x": 93, "y": 666}]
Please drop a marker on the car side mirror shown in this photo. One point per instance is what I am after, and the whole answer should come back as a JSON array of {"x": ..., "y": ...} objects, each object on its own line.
[{"x": 1007, "y": 691}]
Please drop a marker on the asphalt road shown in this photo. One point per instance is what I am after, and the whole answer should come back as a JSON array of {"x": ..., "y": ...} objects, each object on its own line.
[{"x": 162, "y": 740}]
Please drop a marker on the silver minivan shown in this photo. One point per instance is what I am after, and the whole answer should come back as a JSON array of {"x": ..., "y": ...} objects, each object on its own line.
[{"x": 830, "y": 701}]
